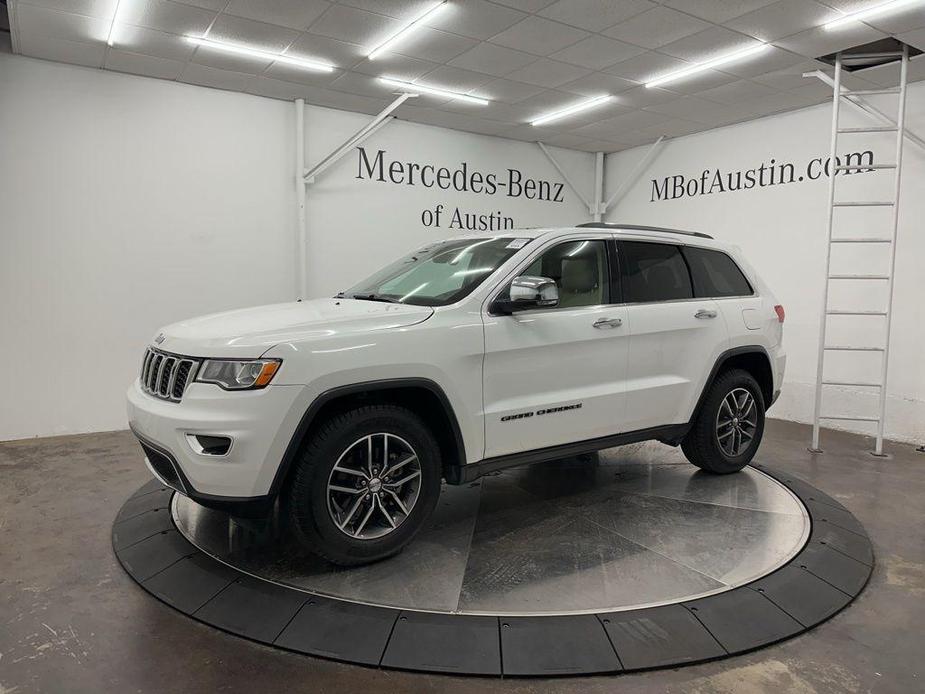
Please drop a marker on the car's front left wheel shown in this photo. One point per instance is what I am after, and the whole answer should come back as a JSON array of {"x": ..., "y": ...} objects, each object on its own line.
[{"x": 365, "y": 484}]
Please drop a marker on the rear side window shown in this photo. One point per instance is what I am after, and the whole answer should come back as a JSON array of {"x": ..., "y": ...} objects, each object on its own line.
[
  {"x": 654, "y": 272},
  {"x": 715, "y": 274}
]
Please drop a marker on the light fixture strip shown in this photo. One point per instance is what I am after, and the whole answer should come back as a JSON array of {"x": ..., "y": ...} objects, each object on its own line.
[
  {"x": 408, "y": 28},
  {"x": 435, "y": 91},
  {"x": 112, "y": 24},
  {"x": 874, "y": 11},
  {"x": 254, "y": 53},
  {"x": 708, "y": 65},
  {"x": 571, "y": 110}
]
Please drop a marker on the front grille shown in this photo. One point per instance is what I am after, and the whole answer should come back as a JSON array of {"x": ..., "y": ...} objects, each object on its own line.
[
  {"x": 163, "y": 466},
  {"x": 166, "y": 375}
]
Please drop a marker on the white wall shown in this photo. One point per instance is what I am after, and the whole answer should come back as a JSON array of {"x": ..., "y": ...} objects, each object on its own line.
[
  {"x": 127, "y": 203},
  {"x": 782, "y": 229}
]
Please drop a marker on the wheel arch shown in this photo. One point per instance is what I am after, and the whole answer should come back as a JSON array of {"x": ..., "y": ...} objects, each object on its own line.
[
  {"x": 751, "y": 358},
  {"x": 422, "y": 396}
]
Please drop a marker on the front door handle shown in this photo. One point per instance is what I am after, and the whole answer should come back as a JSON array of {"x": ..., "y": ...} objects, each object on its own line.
[
  {"x": 705, "y": 313},
  {"x": 608, "y": 323}
]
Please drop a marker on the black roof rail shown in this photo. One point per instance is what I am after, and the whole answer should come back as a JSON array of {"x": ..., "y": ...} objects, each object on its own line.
[{"x": 639, "y": 227}]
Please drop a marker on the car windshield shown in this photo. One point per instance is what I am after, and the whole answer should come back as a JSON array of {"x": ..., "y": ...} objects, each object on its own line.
[{"x": 437, "y": 274}]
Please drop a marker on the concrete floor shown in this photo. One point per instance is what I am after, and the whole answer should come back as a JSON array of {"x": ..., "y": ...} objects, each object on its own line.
[{"x": 72, "y": 621}]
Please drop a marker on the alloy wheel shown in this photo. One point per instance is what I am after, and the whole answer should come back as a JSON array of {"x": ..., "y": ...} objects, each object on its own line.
[
  {"x": 736, "y": 422},
  {"x": 374, "y": 486}
]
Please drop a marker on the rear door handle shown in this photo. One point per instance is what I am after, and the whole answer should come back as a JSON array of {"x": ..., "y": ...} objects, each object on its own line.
[
  {"x": 705, "y": 313},
  {"x": 608, "y": 323}
]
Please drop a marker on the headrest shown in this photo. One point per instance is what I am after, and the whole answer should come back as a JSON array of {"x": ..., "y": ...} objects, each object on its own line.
[{"x": 579, "y": 275}]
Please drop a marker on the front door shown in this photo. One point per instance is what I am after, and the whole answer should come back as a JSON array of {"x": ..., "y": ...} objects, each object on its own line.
[{"x": 555, "y": 375}]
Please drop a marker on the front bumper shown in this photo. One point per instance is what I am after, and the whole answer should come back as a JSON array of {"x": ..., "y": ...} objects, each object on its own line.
[{"x": 255, "y": 421}]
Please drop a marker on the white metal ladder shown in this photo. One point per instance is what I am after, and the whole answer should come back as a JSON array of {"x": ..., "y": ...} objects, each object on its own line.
[{"x": 884, "y": 351}]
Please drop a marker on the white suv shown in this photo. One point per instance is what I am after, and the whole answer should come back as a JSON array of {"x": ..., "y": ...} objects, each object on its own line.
[{"x": 469, "y": 355}]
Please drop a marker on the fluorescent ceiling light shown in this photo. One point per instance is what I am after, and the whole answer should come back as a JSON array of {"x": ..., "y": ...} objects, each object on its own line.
[
  {"x": 403, "y": 33},
  {"x": 112, "y": 24},
  {"x": 709, "y": 65},
  {"x": 874, "y": 11},
  {"x": 254, "y": 53},
  {"x": 583, "y": 106},
  {"x": 421, "y": 89}
]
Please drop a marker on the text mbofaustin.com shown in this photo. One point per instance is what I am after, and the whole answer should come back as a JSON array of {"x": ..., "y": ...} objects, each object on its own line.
[{"x": 712, "y": 181}]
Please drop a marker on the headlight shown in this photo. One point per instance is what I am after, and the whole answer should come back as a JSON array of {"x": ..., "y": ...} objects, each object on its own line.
[{"x": 238, "y": 375}]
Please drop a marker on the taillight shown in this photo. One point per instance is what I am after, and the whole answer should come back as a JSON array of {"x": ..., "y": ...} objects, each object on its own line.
[{"x": 779, "y": 310}]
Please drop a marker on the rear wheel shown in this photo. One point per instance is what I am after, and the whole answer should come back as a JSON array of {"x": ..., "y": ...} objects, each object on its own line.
[
  {"x": 728, "y": 428},
  {"x": 365, "y": 484}
]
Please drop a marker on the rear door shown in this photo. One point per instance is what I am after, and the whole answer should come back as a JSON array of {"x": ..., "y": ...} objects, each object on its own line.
[
  {"x": 716, "y": 275},
  {"x": 555, "y": 375},
  {"x": 675, "y": 338}
]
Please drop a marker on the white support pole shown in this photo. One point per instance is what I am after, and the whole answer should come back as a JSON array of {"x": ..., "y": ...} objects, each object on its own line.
[
  {"x": 634, "y": 175},
  {"x": 380, "y": 120},
  {"x": 864, "y": 107},
  {"x": 302, "y": 231},
  {"x": 566, "y": 177},
  {"x": 598, "y": 210}
]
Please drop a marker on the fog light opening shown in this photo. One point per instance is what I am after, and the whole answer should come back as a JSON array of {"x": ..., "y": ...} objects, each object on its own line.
[{"x": 207, "y": 444}]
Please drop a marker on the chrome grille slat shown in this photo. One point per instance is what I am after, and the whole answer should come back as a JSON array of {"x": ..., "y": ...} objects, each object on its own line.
[{"x": 166, "y": 376}]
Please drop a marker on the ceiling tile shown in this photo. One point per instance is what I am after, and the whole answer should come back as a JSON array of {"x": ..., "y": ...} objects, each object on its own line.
[
  {"x": 736, "y": 92},
  {"x": 212, "y": 77},
  {"x": 508, "y": 91},
  {"x": 496, "y": 110},
  {"x": 566, "y": 140},
  {"x": 526, "y": 5},
  {"x": 154, "y": 43},
  {"x": 276, "y": 89},
  {"x": 62, "y": 50},
  {"x": 39, "y": 21},
  {"x": 232, "y": 62},
  {"x": 597, "y": 52},
  {"x": 675, "y": 127},
  {"x": 598, "y": 83},
  {"x": 717, "y": 10},
  {"x": 768, "y": 60},
  {"x": 150, "y": 66},
  {"x": 476, "y": 19},
  {"x": 340, "y": 53},
  {"x": 399, "y": 9},
  {"x": 914, "y": 38},
  {"x": 900, "y": 21},
  {"x": 888, "y": 75},
  {"x": 493, "y": 60},
  {"x": 782, "y": 19},
  {"x": 548, "y": 73},
  {"x": 101, "y": 9},
  {"x": 295, "y": 14},
  {"x": 164, "y": 15},
  {"x": 364, "y": 85},
  {"x": 539, "y": 36},
  {"x": 657, "y": 27},
  {"x": 595, "y": 15},
  {"x": 601, "y": 146},
  {"x": 355, "y": 26},
  {"x": 647, "y": 66},
  {"x": 435, "y": 45},
  {"x": 693, "y": 108},
  {"x": 400, "y": 67},
  {"x": 708, "y": 44},
  {"x": 700, "y": 81},
  {"x": 454, "y": 79},
  {"x": 641, "y": 97},
  {"x": 790, "y": 77},
  {"x": 614, "y": 126},
  {"x": 207, "y": 4},
  {"x": 813, "y": 43},
  {"x": 320, "y": 96},
  {"x": 260, "y": 35}
]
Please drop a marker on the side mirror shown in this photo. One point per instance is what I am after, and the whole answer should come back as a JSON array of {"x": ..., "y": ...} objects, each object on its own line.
[{"x": 528, "y": 292}]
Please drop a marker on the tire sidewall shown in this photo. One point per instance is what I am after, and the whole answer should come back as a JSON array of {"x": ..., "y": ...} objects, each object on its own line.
[{"x": 316, "y": 521}]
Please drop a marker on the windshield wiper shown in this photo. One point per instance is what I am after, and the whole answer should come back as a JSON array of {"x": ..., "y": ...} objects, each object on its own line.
[{"x": 373, "y": 297}]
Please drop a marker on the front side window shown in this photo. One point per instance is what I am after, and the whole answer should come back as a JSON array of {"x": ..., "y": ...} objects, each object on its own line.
[
  {"x": 438, "y": 274},
  {"x": 654, "y": 272},
  {"x": 716, "y": 274},
  {"x": 579, "y": 269}
]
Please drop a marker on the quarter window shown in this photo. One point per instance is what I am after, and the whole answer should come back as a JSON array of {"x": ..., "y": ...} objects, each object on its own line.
[
  {"x": 654, "y": 272},
  {"x": 579, "y": 269},
  {"x": 716, "y": 274}
]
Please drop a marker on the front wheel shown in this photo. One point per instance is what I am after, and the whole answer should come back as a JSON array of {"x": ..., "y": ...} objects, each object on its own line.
[
  {"x": 365, "y": 484},
  {"x": 728, "y": 428}
]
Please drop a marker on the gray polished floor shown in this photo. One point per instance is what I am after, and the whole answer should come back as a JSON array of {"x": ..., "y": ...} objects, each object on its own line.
[{"x": 630, "y": 527}]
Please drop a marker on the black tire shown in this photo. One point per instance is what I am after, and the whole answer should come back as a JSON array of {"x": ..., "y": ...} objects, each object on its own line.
[
  {"x": 307, "y": 494},
  {"x": 702, "y": 445}
]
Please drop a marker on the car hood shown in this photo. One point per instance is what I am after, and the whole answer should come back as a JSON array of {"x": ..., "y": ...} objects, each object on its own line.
[{"x": 250, "y": 332}]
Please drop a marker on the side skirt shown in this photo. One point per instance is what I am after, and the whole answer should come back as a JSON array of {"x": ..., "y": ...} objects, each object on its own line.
[{"x": 462, "y": 474}]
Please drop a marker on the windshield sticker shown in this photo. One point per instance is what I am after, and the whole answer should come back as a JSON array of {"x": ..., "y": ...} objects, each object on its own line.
[{"x": 518, "y": 243}]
